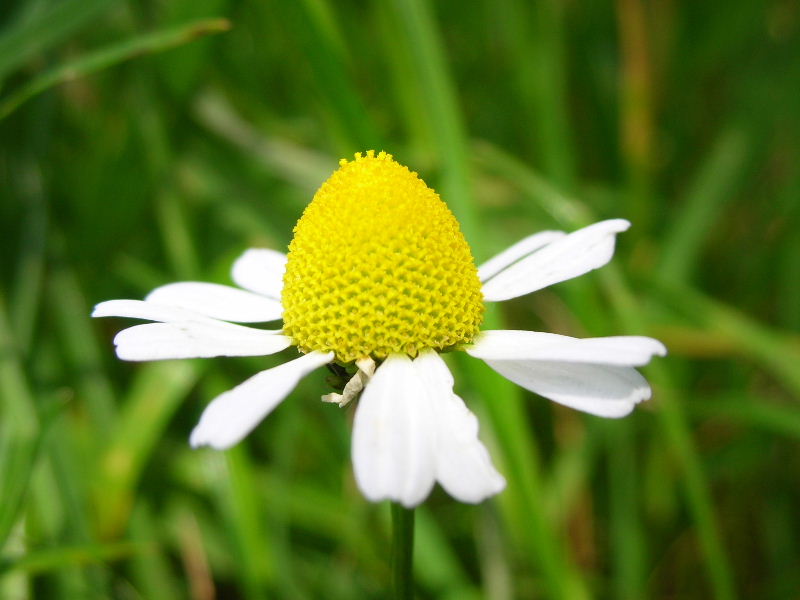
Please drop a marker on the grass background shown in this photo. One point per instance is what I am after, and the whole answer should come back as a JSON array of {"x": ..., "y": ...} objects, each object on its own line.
[{"x": 148, "y": 142}]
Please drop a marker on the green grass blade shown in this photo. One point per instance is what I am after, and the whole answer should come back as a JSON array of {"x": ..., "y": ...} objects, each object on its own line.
[
  {"x": 775, "y": 351},
  {"x": 104, "y": 58},
  {"x": 151, "y": 570},
  {"x": 561, "y": 207},
  {"x": 627, "y": 542},
  {"x": 247, "y": 517},
  {"x": 25, "y": 39},
  {"x": 751, "y": 412},
  {"x": 68, "y": 556},
  {"x": 436, "y": 565},
  {"x": 82, "y": 354},
  {"x": 709, "y": 193},
  {"x": 18, "y": 456},
  {"x": 696, "y": 485},
  {"x": 316, "y": 30},
  {"x": 421, "y": 39},
  {"x": 674, "y": 422},
  {"x": 157, "y": 391},
  {"x": 21, "y": 435},
  {"x": 534, "y": 33},
  {"x": 25, "y": 300}
]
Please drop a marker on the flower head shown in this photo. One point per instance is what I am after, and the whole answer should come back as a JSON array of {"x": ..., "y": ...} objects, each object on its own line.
[
  {"x": 378, "y": 266},
  {"x": 379, "y": 278}
]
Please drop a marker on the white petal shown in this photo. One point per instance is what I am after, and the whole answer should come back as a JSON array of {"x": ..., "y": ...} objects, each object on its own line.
[
  {"x": 196, "y": 339},
  {"x": 519, "y": 250},
  {"x": 234, "y": 414},
  {"x": 629, "y": 351},
  {"x": 217, "y": 301},
  {"x": 463, "y": 466},
  {"x": 602, "y": 390},
  {"x": 393, "y": 436},
  {"x": 570, "y": 256},
  {"x": 260, "y": 270},
  {"x": 139, "y": 309}
]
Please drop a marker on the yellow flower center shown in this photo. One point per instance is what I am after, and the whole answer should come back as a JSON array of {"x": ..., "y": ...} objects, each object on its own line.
[{"x": 378, "y": 265}]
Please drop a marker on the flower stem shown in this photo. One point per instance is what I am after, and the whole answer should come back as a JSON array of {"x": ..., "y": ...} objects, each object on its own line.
[{"x": 402, "y": 552}]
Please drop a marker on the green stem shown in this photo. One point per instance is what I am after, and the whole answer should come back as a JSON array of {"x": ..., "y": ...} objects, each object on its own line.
[{"x": 402, "y": 552}]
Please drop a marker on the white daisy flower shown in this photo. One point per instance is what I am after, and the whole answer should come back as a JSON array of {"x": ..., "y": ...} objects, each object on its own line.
[{"x": 380, "y": 279}]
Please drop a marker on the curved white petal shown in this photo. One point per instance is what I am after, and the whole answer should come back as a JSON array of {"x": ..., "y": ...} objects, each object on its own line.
[
  {"x": 196, "y": 339},
  {"x": 570, "y": 256},
  {"x": 217, "y": 301},
  {"x": 234, "y": 414},
  {"x": 632, "y": 350},
  {"x": 463, "y": 466},
  {"x": 602, "y": 390},
  {"x": 393, "y": 433},
  {"x": 519, "y": 250},
  {"x": 139, "y": 309},
  {"x": 260, "y": 270}
]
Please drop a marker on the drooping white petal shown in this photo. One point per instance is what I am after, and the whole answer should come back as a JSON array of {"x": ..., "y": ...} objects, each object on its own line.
[
  {"x": 260, "y": 270},
  {"x": 463, "y": 466},
  {"x": 630, "y": 351},
  {"x": 519, "y": 250},
  {"x": 393, "y": 435},
  {"x": 234, "y": 414},
  {"x": 139, "y": 309},
  {"x": 602, "y": 390},
  {"x": 196, "y": 339},
  {"x": 570, "y": 256},
  {"x": 217, "y": 301}
]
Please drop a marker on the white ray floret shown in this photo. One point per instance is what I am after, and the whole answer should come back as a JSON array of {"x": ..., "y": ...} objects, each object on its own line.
[
  {"x": 630, "y": 351},
  {"x": 150, "y": 311},
  {"x": 260, "y": 270},
  {"x": 565, "y": 258},
  {"x": 195, "y": 339},
  {"x": 602, "y": 390},
  {"x": 234, "y": 414},
  {"x": 463, "y": 466},
  {"x": 411, "y": 430},
  {"x": 520, "y": 250},
  {"x": 217, "y": 301},
  {"x": 393, "y": 435}
]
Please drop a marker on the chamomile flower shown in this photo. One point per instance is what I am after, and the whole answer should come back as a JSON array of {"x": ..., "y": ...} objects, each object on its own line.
[{"x": 379, "y": 279}]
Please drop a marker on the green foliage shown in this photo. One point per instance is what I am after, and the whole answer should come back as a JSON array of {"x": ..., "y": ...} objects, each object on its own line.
[{"x": 149, "y": 142}]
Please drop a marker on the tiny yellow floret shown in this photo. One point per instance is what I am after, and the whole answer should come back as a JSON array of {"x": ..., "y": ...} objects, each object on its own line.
[{"x": 378, "y": 265}]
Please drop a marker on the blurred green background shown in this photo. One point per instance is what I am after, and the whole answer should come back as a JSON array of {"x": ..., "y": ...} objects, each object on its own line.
[{"x": 149, "y": 142}]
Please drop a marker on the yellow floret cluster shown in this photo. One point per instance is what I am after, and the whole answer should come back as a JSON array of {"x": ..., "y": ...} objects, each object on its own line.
[{"x": 378, "y": 265}]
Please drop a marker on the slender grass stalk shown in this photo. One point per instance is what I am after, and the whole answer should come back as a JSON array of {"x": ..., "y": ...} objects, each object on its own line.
[
  {"x": 676, "y": 428},
  {"x": 20, "y": 434},
  {"x": 25, "y": 303},
  {"x": 98, "y": 60},
  {"x": 416, "y": 24},
  {"x": 81, "y": 555},
  {"x": 774, "y": 351},
  {"x": 402, "y": 551},
  {"x": 535, "y": 33},
  {"x": 316, "y": 31},
  {"x": 29, "y": 37},
  {"x": 636, "y": 110},
  {"x": 627, "y": 544},
  {"x": 708, "y": 194}
]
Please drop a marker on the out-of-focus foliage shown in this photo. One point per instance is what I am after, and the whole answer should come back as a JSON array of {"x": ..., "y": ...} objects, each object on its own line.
[{"x": 149, "y": 142}]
